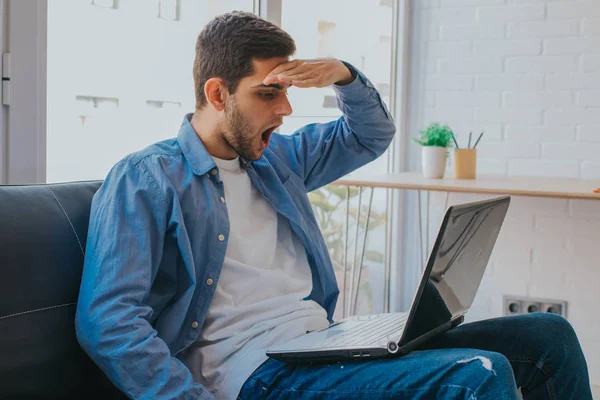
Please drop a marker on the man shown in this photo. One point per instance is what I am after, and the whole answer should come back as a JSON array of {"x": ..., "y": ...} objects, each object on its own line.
[{"x": 203, "y": 251}]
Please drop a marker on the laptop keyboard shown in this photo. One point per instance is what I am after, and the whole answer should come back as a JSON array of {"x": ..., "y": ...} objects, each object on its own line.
[{"x": 370, "y": 333}]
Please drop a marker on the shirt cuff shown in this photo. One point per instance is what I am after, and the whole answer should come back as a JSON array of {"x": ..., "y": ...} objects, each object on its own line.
[
  {"x": 356, "y": 92},
  {"x": 358, "y": 87},
  {"x": 352, "y": 72}
]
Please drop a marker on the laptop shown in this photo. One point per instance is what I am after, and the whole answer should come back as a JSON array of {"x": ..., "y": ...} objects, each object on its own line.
[{"x": 450, "y": 280}]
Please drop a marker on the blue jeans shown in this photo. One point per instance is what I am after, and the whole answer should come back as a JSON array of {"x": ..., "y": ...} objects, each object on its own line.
[{"x": 490, "y": 359}]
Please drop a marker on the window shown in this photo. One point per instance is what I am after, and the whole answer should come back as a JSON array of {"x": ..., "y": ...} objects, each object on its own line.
[
  {"x": 106, "y": 3},
  {"x": 362, "y": 37},
  {"x": 163, "y": 104},
  {"x": 383, "y": 88},
  {"x": 98, "y": 102},
  {"x": 329, "y": 101},
  {"x": 112, "y": 89},
  {"x": 326, "y": 38},
  {"x": 168, "y": 9},
  {"x": 87, "y": 105},
  {"x": 385, "y": 41}
]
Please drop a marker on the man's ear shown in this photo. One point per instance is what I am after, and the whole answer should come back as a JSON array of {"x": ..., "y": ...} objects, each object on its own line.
[{"x": 215, "y": 91}]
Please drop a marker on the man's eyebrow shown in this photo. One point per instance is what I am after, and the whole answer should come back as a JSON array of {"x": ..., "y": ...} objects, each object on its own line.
[{"x": 272, "y": 85}]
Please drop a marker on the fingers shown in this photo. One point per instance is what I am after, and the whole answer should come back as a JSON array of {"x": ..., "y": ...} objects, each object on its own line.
[
  {"x": 294, "y": 70},
  {"x": 307, "y": 83},
  {"x": 280, "y": 69},
  {"x": 305, "y": 73},
  {"x": 295, "y": 77}
]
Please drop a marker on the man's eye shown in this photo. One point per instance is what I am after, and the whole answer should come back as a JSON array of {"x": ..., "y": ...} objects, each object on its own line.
[{"x": 268, "y": 95}]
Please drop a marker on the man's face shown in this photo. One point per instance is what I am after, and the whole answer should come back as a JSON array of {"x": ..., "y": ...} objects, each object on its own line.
[{"x": 254, "y": 111}]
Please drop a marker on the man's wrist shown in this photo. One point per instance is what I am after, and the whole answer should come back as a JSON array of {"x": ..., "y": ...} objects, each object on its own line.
[{"x": 349, "y": 74}]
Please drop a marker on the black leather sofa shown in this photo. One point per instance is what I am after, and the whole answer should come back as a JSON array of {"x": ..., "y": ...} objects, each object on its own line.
[{"x": 43, "y": 231}]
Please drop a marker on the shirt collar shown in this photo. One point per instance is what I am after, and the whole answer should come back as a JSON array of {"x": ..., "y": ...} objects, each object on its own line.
[{"x": 193, "y": 149}]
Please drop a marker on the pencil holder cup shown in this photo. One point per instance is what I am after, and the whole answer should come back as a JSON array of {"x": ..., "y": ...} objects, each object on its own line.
[{"x": 465, "y": 163}]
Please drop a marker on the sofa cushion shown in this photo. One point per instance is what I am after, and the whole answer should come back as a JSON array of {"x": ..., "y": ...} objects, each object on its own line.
[{"x": 43, "y": 231}]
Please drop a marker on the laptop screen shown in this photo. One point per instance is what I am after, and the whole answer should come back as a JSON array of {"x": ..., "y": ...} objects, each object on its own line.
[{"x": 457, "y": 264}]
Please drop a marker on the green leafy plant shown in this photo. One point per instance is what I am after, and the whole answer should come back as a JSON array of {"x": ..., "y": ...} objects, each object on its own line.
[
  {"x": 328, "y": 204},
  {"x": 435, "y": 135}
]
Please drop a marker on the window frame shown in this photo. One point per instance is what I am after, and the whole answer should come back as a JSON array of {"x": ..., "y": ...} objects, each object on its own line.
[
  {"x": 25, "y": 116},
  {"x": 3, "y": 108}
]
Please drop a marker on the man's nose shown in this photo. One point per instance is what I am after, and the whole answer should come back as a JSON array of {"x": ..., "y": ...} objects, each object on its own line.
[{"x": 284, "y": 108}]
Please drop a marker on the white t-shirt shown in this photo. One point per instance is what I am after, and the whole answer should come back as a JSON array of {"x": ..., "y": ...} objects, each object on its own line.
[{"x": 258, "y": 299}]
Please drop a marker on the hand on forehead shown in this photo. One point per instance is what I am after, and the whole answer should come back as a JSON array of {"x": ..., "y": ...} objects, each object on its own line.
[
  {"x": 309, "y": 73},
  {"x": 282, "y": 69}
]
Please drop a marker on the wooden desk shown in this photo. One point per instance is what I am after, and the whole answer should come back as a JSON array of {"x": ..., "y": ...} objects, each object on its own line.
[
  {"x": 495, "y": 185},
  {"x": 500, "y": 185}
]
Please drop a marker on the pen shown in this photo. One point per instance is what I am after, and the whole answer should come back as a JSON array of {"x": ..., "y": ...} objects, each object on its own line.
[
  {"x": 480, "y": 135},
  {"x": 453, "y": 138}
]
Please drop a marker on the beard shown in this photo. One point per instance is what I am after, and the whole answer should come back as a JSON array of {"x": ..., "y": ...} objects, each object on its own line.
[{"x": 237, "y": 132}]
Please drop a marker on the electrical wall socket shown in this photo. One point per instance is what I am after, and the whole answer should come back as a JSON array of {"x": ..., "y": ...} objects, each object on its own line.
[{"x": 514, "y": 305}]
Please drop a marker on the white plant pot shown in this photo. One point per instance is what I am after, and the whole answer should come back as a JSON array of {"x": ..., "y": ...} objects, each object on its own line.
[{"x": 433, "y": 159}]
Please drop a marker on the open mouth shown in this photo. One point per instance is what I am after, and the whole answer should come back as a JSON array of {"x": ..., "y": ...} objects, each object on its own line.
[{"x": 266, "y": 135}]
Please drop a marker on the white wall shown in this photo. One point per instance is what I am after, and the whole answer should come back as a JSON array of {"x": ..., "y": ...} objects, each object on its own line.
[{"x": 528, "y": 73}]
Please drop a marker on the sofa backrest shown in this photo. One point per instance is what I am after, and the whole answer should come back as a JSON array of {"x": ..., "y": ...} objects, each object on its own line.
[{"x": 43, "y": 231}]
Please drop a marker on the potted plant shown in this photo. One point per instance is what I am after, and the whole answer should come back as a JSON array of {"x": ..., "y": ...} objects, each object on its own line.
[{"x": 434, "y": 141}]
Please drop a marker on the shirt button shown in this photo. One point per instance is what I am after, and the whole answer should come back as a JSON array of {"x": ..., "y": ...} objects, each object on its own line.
[
  {"x": 221, "y": 238},
  {"x": 222, "y": 199},
  {"x": 209, "y": 281},
  {"x": 195, "y": 324},
  {"x": 214, "y": 171}
]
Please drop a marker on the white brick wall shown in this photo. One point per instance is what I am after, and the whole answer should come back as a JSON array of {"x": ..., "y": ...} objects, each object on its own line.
[
  {"x": 543, "y": 64},
  {"x": 476, "y": 65},
  {"x": 470, "y": 2},
  {"x": 571, "y": 151},
  {"x": 516, "y": 47},
  {"x": 538, "y": 98},
  {"x": 588, "y": 134},
  {"x": 501, "y": 82},
  {"x": 453, "y": 98},
  {"x": 468, "y": 32},
  {"x": 509, "y": 115},
  {"x": 591, "y": 62},
  {"x": 511, "y": 13},
  {"x": 528, "y": 73},
  {"x": 591, "y": 26},
  {"x": 589, "y": 98},
  {"x": 540, "y": 134},
  {"x": 542, "y": 29},
  {"x": 581, "y": 80},
  {"x": 574, "y": 9},
  {"x": 441, "y": 83},
  {"x": 572, "y": 116},
  {"x": 590, "y": 170},
  {"x": 449, "y": 49},
  {"x": 571, "y": 45}
]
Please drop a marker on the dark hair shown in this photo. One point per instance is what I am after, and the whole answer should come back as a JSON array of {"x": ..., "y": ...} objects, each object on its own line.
[{"x": 227, "y": 44}]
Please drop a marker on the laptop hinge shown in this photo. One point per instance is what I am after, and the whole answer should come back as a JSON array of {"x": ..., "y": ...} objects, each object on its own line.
[{"x": 457, "y": 321}]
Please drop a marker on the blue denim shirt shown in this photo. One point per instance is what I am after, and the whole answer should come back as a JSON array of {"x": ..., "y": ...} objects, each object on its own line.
[{"x": 158, "y": 234}]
